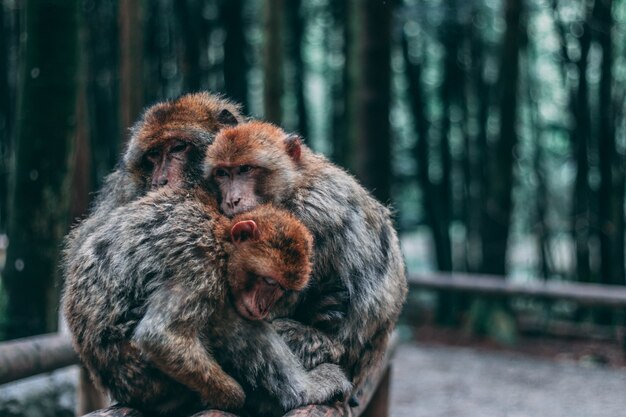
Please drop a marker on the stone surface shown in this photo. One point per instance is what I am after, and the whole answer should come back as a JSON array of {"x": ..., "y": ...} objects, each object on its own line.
[
  {"x": 48, "y": 395},
  {"x": 432, "y": 381}
]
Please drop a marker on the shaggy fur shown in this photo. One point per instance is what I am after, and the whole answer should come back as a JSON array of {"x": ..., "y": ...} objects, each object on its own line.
[
  {"x": 146, "y": 301},
  {"x": 359, "y": 283}
]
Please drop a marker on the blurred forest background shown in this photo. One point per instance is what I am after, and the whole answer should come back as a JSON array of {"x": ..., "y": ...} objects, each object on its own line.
[{"x": 495, "y": 128}]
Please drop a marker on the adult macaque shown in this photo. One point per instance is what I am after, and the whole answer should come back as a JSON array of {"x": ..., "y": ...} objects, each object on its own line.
[
  {"x": 147, "y": 302},
  {"x": 166, "y": 148},
  {"x": 358, "y": 284}
]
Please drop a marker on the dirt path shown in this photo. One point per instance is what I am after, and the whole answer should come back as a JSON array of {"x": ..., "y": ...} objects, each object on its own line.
[{"x": 431, "y": 381}]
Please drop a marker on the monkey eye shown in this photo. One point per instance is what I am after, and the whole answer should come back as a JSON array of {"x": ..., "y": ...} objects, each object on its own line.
[
  {"x": 270, "y": 281},
  {"x": 153, "y": 154},
  {"x": 245, "y": 168},
  {"x": 179, "y": 147},
  {"x": 220, "y": 173}
]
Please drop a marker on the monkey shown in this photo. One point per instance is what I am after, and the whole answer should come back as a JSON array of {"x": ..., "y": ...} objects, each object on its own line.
[
  {"x": 358, "y": 285},
  {"x": 147, "y": 302},
  {"x": 166, "y": 148}
]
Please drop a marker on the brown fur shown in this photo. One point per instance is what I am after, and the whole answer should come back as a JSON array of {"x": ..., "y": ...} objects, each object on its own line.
[
  {"x": 359, "y": 282},
  {"x": 146, "y": 301}
]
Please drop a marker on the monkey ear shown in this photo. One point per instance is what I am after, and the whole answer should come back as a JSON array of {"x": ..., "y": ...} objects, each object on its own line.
[
  {"x": 243, "y": 231},
  {"x": 227, "y": 118},
  {"x": 293, "y": 143}
]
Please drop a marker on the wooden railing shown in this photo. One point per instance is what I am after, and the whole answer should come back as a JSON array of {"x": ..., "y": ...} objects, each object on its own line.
[{"x": 489, "y": 285}]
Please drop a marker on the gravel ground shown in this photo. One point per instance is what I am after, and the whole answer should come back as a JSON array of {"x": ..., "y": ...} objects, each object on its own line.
[{"x": 442, "y": 381}]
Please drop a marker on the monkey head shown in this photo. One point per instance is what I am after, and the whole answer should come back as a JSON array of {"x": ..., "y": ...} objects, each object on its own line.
[
  {"x": 270, "y": 259},
  {"x": 168, "y": 142},
  {"x": 252, "y": 163}
]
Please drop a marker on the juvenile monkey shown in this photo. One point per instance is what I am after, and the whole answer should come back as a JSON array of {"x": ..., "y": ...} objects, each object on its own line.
[
  {"x": 146, "y": 301},
  {"x": 358, "y": 284}
]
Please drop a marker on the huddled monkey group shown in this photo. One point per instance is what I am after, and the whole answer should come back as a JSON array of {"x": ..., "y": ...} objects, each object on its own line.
[{"x": 224, "y": 264}]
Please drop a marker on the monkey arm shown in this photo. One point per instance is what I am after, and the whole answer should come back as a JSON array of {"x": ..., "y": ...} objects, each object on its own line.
[
  {"x": 310, "y": 345},
  {"x": 272, "y": 374},
  {"x": 168, "y": 335}
]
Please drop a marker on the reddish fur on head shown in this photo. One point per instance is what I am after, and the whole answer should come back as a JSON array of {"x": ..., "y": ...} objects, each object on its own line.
[
  {"x": 271, "y": 255},
  {"x": 252, "y": 163},
  {"x": 169, "y": 140}
]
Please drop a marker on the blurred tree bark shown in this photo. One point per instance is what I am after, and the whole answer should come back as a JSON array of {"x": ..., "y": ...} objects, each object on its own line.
[
  {"x": 39, "y": 199},
  {"x": 9, "y": 40},
  {"x": 497, "y": 214},
  {"x": 4, "y": 116},
  {"x": 611, "y": 192},
  {"x": 273, "y": 51},
  {"x": 235, "y": 48},
  {"x": 131, "y": 63},
  {"x": 188, "y": 14},
  {"x": 103, "y": 87},
  {"x": 581, "y": 133},
  {"x": 370, "y": 97},
  {"x": 296, "y": 31},
  {"x": 340, "y": 84}
]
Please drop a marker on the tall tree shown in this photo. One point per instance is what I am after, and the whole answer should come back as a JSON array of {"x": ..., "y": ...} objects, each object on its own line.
[
  {"x": 340, "y": 84},
  {"x": 4, "y": 116},
  {"x": 39, "y": 196},
  {"x": 273, "y": 52},
  {"x": 497, "y": 215},
  {"x": 103, "y": 87},
  {"x": 612, "y": 269},
  {"x": 9, "y": 40},
  {"x": 581, "y": 136},
  {"x": 235, "y": 48},
  {"x": 188, "y": 14},
  {"x": 296, "y": 22},
  {"x": 370, "y": 82},
  {"x": 131, "y": 62}
]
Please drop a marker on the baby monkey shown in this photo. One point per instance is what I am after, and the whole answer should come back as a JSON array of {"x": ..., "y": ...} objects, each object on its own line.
[{"x": 147, "y": 304}]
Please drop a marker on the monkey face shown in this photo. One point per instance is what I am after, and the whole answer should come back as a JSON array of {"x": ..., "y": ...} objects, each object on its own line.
[
  {"x": 170, "y": 139},
  {"x": 252, "y": 164},
  {"x": 268, "y": 262},
  {"x": 237, "y": 188}
]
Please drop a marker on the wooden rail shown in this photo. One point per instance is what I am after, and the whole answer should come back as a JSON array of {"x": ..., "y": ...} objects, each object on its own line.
[
  {"x": 35, "y": 355},
  {"x": 585, "y": 294}
]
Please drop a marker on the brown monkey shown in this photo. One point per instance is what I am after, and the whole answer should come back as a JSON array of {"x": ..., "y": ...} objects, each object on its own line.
[
  {"x": 166, "y": 148},
  {"x": 358, "y": 284},
  {"x": 146, "y": 301}
]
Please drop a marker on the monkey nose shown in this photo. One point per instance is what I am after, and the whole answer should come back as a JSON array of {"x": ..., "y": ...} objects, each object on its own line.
[
  {"x": 162, "y": 181},
  {"x": 236, "y": 202}
]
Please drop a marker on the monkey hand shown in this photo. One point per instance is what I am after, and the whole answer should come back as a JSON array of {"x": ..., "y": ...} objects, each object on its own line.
[
  {"x": 330, "y": 384},
  {"x": 228, "y": 395},
  {"x": 310, "y": 345}
]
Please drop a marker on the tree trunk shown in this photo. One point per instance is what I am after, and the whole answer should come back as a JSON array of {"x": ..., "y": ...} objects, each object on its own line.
[
  {"x": 370, "y": 98},
  {"x": 131, "y": 69},
  {"x": 188, "y": 13},
  {"x": 296, "y": 31},
  {"x": 4, "y": 118},
  {"x": 580, "y": 137},
  {"x": 39, "y": 197},
  {"x": 610, "y": 209},
  {"x": 498, "y": 206},
  {"x": 103, "y": 88},
  {"x": 273, "y": 52},
  {"x": 9, "y": 39},
  {"x": 340, "y": 86},
  {"x": 235, "y": 61}
]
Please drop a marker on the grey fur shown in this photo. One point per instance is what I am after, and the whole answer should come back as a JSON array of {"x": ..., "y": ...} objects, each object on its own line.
[{"x": 150, "y": 283}]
